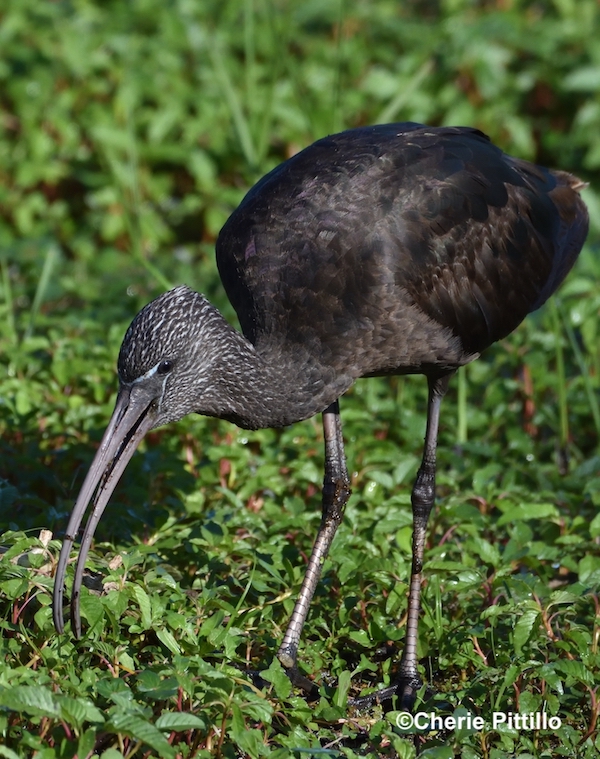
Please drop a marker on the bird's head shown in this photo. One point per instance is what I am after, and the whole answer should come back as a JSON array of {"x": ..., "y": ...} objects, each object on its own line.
[
  {"x": 165, "y": 362},
  {"x": 166, "y": 366}
]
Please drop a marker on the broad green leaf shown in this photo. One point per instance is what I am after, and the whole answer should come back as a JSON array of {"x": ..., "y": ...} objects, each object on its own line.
[
  {"x": 166, "y": 638},
  {"x": 77, "y": 712},
  {"x": 575, "y": 669},
  {"x": 31, "y": 699},
  {"x": 276, "y": 675},
  {"x": 341, "y": 693},
  {"x": 488, "y": 553},
  {"x": 179, "y": 721},
  {"x": 86, "y": 743},
  {"x": 140, "y": 728},
  {"x": 145, "y": 607},
  {"x": 594, "y": 526},
  {"x": 524, "y": 628},
  {"x": 91, "y": 607},
  {"x": 526, "y": 511}
]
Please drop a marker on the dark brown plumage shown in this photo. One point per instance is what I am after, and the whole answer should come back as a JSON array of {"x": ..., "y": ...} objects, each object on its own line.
[{"x": 392, "y": 249}]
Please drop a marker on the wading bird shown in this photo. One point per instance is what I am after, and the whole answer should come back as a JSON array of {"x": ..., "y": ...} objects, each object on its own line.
[{"x": 395, "y": 249}]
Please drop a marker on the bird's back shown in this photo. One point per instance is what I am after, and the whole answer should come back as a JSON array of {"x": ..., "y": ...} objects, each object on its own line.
[{"x": 398, "y": 248}]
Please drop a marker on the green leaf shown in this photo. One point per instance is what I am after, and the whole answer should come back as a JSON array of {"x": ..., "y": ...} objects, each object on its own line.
[
  {"x": 137, "y": 727},
  {"x": 179, "y": 721},
  {"x": 167, "y": 638},
  {"x": 524, "y": 628},
  {"x": 31, "y": 699},
  {"x": 77, "y": 712},
  {"x": 589, "y": 571},
  {"x": 585, "y": 79},
  {"x": 488, "y": 553},
  {"x": 86, "y": 743},
  {"x": 145, "y": 607},
  {"x": 276, "y": 675},
  {"x": 595, "y": 526},
  {"x": 249, "y": 739},
  {"x": 341, "y": 694},
  {"x": 576, "y": 670},
  {"x": 91, "y": 607},
  {"x": 526, "y": 511},
  {"x": 437, "y": 752},
  {"x": 152, "y": 686}
]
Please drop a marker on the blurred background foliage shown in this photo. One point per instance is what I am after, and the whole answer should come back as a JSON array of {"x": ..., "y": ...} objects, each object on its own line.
[{"x": 128, "y": 133}]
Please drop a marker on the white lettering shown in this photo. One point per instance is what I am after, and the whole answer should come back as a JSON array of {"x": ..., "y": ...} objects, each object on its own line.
[
  {"x": 431, "y": 722},
  {"x": 421, "y": 720},
  {"x": 498, "y": 718}
]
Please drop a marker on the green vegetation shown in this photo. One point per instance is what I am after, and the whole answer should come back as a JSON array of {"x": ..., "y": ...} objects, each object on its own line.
[{"x": 128, "y": 133}]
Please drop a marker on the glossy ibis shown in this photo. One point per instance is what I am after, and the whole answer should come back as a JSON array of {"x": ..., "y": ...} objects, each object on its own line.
[{"x": 395, "y": 249}]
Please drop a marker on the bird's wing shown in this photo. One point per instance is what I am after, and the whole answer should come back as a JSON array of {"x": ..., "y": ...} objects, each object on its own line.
[{"x": 354, "y": 233}]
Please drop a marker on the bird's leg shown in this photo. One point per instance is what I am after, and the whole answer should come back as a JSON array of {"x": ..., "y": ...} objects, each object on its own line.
[
  {"x": 336, "y": 491},
  {"x": 423, "y": 495},
  {"x": 408, "y": 682}
]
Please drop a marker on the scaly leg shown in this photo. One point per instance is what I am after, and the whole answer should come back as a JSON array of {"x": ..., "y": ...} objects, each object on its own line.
[
  {"x": 408, "y": 680},
  {"x": 336, "y": 491},
  {"x": 423, "y": 497}
]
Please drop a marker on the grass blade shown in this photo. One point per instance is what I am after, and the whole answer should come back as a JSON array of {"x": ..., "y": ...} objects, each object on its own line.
[{"x": 50, "y": 260}]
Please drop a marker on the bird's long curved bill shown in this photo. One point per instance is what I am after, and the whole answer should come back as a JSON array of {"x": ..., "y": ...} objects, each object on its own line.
[{"x": 130, "y": 421}]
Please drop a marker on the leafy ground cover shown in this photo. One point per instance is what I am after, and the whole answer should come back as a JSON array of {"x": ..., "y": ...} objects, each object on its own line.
[{"x": 128, "y": 132}]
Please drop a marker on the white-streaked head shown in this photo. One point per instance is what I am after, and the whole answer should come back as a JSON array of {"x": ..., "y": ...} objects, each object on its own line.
[{"x": 169, "y": 353}]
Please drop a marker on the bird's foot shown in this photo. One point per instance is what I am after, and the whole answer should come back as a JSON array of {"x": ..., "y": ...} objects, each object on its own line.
[
  {"x": 298, "y": 680},
  {"x": 288, "y": 657},
  {"x": 404, "y": 690}
]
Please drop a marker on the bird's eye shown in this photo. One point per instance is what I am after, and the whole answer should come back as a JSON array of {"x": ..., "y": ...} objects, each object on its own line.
[{"x": 164, "y": 367}]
